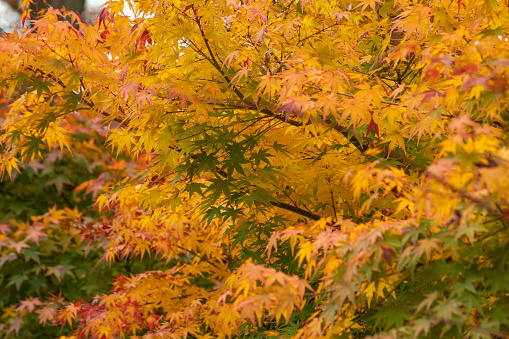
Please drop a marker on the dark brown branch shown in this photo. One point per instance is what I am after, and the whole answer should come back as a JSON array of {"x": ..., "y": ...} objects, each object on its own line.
[
  {"x": 317, "y": 32},
  {"x": 282, "y": 205},
  {"x": 295, "y": 209}
]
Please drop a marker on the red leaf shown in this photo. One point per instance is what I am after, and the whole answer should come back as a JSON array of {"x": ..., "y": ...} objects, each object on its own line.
[
  {"x": 143, "y": 40},
  {"x": 103, "y": 16},
  {"x": 104, "y": 34},
  {"x": 289, "y": 107},
  {"x": 387, "y": 253},
  {"x": 80, "y": 17},
  {"x": 470, "y": 68},
  {"x": 372, "y": 126},
  {"x": 74, "y": 31},
  {"x": 23, "y": 19},
  {"x": 430, "y": 94},
  {"x": 152, "y": 320},
  {"x": 432, "y": 74},
  {"x": 5, "y": 228}
]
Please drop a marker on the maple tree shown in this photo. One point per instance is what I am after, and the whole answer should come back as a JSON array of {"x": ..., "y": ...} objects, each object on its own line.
[{"x": 303, "y": 168}]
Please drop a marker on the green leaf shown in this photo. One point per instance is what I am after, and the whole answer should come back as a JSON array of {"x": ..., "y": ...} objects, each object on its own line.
[
  {"x": 262, "y": 155},
  {"x": 219, "y": 186},
  {"x": 59, "y": 181},
  {"x": 17, "y": 280},
  {"x": 195, "y": 187},
  {"x": 33, "y": 147},
  {"x": 40, "y": 87},
  {"x": 31, "y": 253}
]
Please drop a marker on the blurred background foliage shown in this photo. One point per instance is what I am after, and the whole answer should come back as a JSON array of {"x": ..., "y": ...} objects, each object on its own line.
[{"x": 48, "y": 252}]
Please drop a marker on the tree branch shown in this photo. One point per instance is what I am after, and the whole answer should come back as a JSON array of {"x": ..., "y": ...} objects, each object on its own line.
[{"x": 295, "y": 209}]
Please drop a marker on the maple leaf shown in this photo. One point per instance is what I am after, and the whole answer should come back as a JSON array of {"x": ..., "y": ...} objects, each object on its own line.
[
  {"x": 387, "y": 254},
  {"x": 372, "y": 126},
  {"x": 36, "y": 165},
  {"x": 229, "y": 58},
  {"x": 5, "y": 229},
  {"x": 28, "y": 304},
  {"x": 17, "y": 280},
  {"x": 144, "y": 39},
  {"x": 46, "y": 313},
  {"x": 152, "y": 320},
  {"x": 129, "y": 87},
  {"x": 371, "y": 95},
  {"x": 430, "y": 94},
  {"x": 59, "y": 181},
  {"x": 58, "y": 271},
  {"x": 445, "y": 309},
  {"x": 366, "y": 3},
  {"x": 67, "y": 314},
  {"x": 103, "y": 16},
  {"x": 267, "y": 85},
  {"x": 244, "y": 72},
  {"x": 15, "y": 325},
  {"x": 18, "y": 246},
  {"x": 7, "y": 257},
  {"x": 295, "y": 106},
  {"x": 33, "y": 147},
  {"x": 31, "y": 254},
  {"x": 108, "y": 301},
  {"x": 427, "y": 247},
  {"x": 34, "y": 233}
]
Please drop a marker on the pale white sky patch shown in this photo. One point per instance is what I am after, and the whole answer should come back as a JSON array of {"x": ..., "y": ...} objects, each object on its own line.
[{"x": 9, "y": 17}]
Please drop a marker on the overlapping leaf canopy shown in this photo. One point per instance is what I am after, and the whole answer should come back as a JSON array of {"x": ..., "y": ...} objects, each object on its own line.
[{"x": 311, "y": 168}]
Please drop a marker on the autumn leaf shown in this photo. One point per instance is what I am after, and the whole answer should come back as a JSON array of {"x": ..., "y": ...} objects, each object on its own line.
[
  {"x": 58, "y": 271},
  {"x": 28, "y": 304}
]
